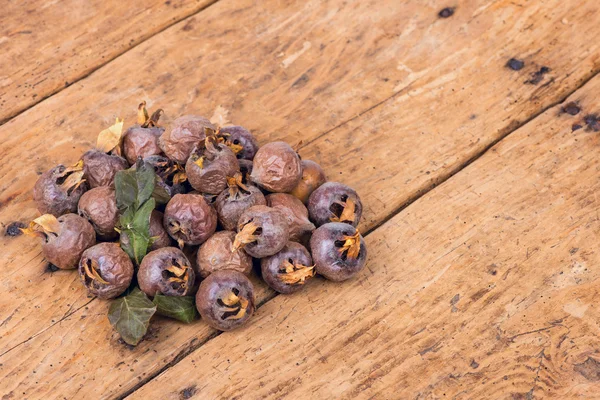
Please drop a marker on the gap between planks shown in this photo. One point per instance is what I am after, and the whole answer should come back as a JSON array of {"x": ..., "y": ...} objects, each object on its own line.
[
  {"x": 445, "y": 177},
  {"x": 102, "y": 64}
]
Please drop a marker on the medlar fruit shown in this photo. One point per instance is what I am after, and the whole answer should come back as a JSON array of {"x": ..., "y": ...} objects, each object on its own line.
[
  {"x": 240, "y": 140},
  {"x": 99, "y": 168},
  {"x": 105, "y": 270},
  {"x": 141, "y": 140},
  {"x": 209, "y": 165},
  {"x": 295, "y": 212},
  {"x": 288, "y": 270},
  {"x": 262, "y": 231},
  {"x": 276, "y": 167},
  {"x": 99, "y": 207},
  {"x": 334, "y": 202},
  {"x": 215, "y": 254},
  {"x": 166, "y": 271},
  {"x": 189, "y": 219},
  {"x": 312, "y": 177},
  {"x": 185, "y": 133},
  {"x": 225, "y": 299},
  {"x": 232, "y": 202},
  {"x": 58, "y": 190},
  {"x": 338, "y": 250}
]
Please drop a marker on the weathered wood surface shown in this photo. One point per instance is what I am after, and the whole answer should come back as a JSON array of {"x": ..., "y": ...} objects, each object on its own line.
[
  {"x": 412, "y": 81},
  {"x": 486, "y": 287},
  {"x": 48, "y": 45}
]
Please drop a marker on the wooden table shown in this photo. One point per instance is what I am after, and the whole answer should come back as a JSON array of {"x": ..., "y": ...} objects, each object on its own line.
[{"x": 479, "y": 178}]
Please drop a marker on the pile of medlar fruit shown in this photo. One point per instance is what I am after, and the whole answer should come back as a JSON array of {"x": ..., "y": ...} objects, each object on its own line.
[{"x": 229, "y": 205}]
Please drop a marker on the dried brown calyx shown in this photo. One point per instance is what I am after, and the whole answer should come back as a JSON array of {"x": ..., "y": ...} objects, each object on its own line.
[
  {"x": 146, "y": 121},
  {"x": 236, "y": 185},
  {"x": 174, "y": 228},
  {"x": 225, "y": 138},
  {"x": 232, "y": 305},
  {"x": 178, "y": 276},
  {"x": 92, "y": 275},
  {"x": 170, "y": 172},
  {"x": 349, "y": 246},
  {"x": 71, "y": 178},
  {"x": 343, "y": 211},
  {"x": 248, "y": 234},
  {"x": 294, "y": 273},
  {"x": 44, "y": 226}
]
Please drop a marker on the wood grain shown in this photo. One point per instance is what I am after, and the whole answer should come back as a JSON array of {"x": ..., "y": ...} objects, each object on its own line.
[
  {"x": 48, "y": 45},
  {"x": 484, "y": 288},
  {"x": 339, "y": 102}
]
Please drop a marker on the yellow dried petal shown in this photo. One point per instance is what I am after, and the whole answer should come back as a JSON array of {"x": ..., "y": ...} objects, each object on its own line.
[
  {"x": 351, "y": 245},
  {"x": 142, "y": 113},
  {"x": 110, "y": 138},
  {"x": 42, "y": 226},
  {"x": 245, "y": 236}
]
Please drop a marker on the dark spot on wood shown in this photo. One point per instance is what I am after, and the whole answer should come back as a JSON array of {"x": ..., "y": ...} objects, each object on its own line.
[
  {"x": 51, "y": 268},
  {"x": 479, "y": 294},
  {"x": 472, "y": 116},
  {"x": 14, "y": 229},
  {"x": 574, "y": 250},
  {"x": 590, "y": 369},
  {"x": 446, "y": 12},
  {"x": 189, "y": 25},
  {"x": 576, "y": 127},
  {"x": 571, "y": 108},
  {"x": 593, "y": 122},
  {"x": 188, "y": 392},
  {"x": 455, "y": 299},
  {"x": 168, "y": 2},
  {"x": 537, "y": 76},
  {"x": 474, "y": 364},
  {"x": 301, "y": 81},
  {"x": 8, "y": 199},
  {"x": 515, "y": 64},
  {"x": 433, "y": 349}
]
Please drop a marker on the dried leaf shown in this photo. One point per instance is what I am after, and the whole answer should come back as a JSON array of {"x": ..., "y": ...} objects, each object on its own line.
[
  {"x": 43, "y": 225},
  {"x": 110, "y": 138},
  {"x": 142, "y": 113},
  {"x": 130, "y": 316}
]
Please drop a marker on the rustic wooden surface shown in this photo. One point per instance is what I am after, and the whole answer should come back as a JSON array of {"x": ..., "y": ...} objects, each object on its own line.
[{"x": 391, "y": 99}]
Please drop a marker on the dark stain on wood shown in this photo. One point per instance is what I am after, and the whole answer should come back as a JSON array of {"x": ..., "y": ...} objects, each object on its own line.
[
  {"x": 188, "y": 392},
  {"x": 590, "y": 369},
  {"x": 446, "y": 12},
  {"x": 515, "y": 64},
  {"x": 538, "y": 76},
  {"x": 14, "y": 229},
  {"x": 593, "y": 122},
  {"x": 571, "y": 108}
]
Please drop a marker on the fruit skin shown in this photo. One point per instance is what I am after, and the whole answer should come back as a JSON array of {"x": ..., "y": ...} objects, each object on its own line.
[
  {"x": 229, "y": 209},
  {"x": 185, "y": 132},
  {"x": 115, "y": 267},
  {"x": 100, "y": 168},
  {"x": 76, "y": 235},
  {"x": 215, "y": 254},
  {"x": 275, "y": 231},
  {"x": 241, "y": 136},
  {"x": 276, "y": 167},
  {"x": 327, "y": 257},
  {"x": 99, "y": 207},
  {"x": 50, "y": 198},
  {"x": 190, "y": 219},
  {"x": 270, "y": 266},
  {"x": 153, "y": 277},
  {"x": 214, "y": 288},
  {"x": 219, "y": 163},
  {"x": 324, "y": 197},
  {"x": 313, "y": 176},
  {"x": 295, "y": 212},
  {"x": 141, "y": 142},
  {"x": 158, "y": 232}
]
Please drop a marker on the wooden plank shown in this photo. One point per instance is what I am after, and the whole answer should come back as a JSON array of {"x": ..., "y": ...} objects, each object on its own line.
[
  {"x": 484, "y": 288},
  {"x": 46, "y": 46},
  {"x": 299, "y": 109}
]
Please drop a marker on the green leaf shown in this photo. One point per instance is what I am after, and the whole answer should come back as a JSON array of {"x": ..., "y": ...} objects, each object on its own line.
[
  {"x": 130, "y": 316},
  {"x": 181, "y": 308},
  {"x": 146, "y": 179},
  {"x": 141, "y": 219},
  {"x": 126, "y": 188}
]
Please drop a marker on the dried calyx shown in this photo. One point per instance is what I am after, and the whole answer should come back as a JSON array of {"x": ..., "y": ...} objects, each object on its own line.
[
  {"x": 206, "y": 151},
  {"x": 174, "y": 228},
  {"x": 236, "y": 185},
  {"x": 178, "y": 276},
  {"x": 170, "y": 172},
  {"x": 222, "y": 137},
  {"x": 232, "y": 305},
  {"x": 293, "y": 273},
  {"x": 71, "y": 178},
  {"x": 92, "y": 273},
  {"x": 248, "y": 234},
  {"x": 344, "y": 210},
  {"x": 349, "y": 246},
  {"x": 45, "y": 226},
  {"x": 146, "y": 121}
]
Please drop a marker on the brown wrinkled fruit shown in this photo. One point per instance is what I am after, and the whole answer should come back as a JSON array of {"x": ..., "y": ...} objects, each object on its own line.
[
  {"x": 289, "y": 269},
  {"x": 160, "y": 237},
  {"x": 185, "y": 132},
  {"x": 141, "y": 142},
  {"x": 225, "y": 299},
  {"x": 276, "y": 167},
  {"x": 166, "y": 271},
  {"x": 313, "y": 176},
  {"x": 57, "y": 191},
  {"x": 209, "y": 166},
  {"x": 215, "y": 254},
  {"x": 338, "y": 250},
  {"x": 105, "y": 270},
  {"x": 189, "y": 219},
  {"x": 295, "y": 212},
  {"x": 262, "y": 231},
  {"x": 334, "y": 202},
  {"x": 65, "y": 238},
  {"x": 241, "y": 141},
  {"x": 100, "y": 168},
  {"x": 99, "y": 207},
  {"x": 233, "y": 201}
]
